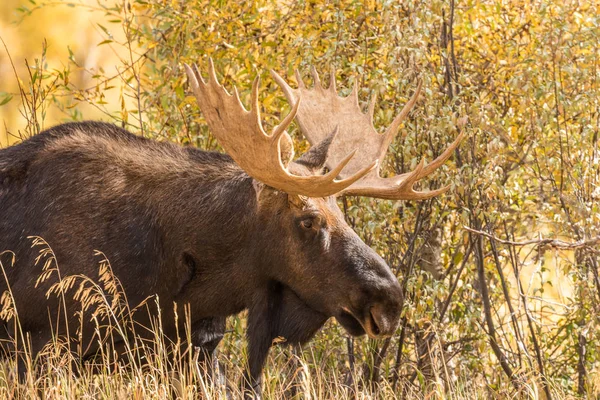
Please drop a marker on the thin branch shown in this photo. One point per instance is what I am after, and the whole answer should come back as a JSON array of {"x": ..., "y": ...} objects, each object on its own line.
[
  {"x": 487, "y": 312},
  {"x": 534, "y": 340},
  {"x": 541, "y": 242},
  {"x": 455, "y": 283}
]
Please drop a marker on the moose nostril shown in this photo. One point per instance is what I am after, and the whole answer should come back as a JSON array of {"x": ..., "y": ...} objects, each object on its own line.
[{"x": 374, "y": 324}]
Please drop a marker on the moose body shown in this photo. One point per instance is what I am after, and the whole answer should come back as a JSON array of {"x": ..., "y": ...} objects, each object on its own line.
[
  {"x": 194, "y": 228},
  {"x": 173, "y": 221},
  {"x": 176, "y": 222}
]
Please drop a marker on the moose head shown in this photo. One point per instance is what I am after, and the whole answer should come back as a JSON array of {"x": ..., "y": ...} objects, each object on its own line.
[{"x": 317, "y": 255}]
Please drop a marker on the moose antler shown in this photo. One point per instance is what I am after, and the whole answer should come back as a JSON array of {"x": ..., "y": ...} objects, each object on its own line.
[
  {"x": 322, "y": 110},
  {"x": 241, "y": 134}
]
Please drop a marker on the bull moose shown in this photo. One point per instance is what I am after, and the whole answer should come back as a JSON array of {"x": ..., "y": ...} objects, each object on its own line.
[{"x": 252, "y": 229}]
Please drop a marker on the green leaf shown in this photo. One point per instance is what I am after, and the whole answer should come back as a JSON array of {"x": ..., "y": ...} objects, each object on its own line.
[{"x": 5, "y": 98}]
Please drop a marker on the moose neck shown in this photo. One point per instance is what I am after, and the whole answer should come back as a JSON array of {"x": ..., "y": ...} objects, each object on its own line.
[{"x": 216, "y": 220}]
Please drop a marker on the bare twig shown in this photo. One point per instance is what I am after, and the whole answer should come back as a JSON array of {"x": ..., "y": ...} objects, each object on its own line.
[
  {"x": 487, "y": 308},
  {"x": 581, "y": 370},
  {"x": 534, "y": 340},
  {"x": 541, "y": 242},
  {"x": 444, "y": 307},
  {"x": 505, "y": 291}
]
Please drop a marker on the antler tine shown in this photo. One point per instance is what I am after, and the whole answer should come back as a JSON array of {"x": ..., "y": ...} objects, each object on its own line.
[
  {"x": 411, "y": 178},
  {"x": 237, "y": 97},
  {"x": 429, "y": 194},
  {"x": 212, "y": 75},
  {"x": 347, "y": 182},
  {"x": 392, "y": 130},
  {"x": 301, "y": 84},
  {"x": 315, "y": 75},
  {"x": 401, "y": 187},
  {"x": 287, "y": 90},
  {"x": 405, "y": 188},
  {"x": 382, "y": 189},
  {"x": 255, "y": 106},
  {"x": 441, "y": 159},
  {"x": 371, "y": 107},
  {"x": 241, "y": 134},
  {"x": 432, "y": 166},
  {"x": 280, "y": 129},
  {"x": 194, "y": 73},
  {"x": 336, "y": 171}
]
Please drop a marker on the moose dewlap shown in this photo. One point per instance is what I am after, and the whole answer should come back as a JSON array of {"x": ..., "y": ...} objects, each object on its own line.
[{"x": 219, "y": 233}]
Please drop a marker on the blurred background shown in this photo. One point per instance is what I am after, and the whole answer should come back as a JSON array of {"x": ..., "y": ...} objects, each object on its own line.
[{"x": 62, "y": 34}]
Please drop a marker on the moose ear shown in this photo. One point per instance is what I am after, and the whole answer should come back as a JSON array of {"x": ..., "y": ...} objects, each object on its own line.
[{"x": 316, "y": 157}]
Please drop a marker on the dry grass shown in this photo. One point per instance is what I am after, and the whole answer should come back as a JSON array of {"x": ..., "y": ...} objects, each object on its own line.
[
  {"x": 54, "y": 379},
  {"x": 160, "y": 369}
]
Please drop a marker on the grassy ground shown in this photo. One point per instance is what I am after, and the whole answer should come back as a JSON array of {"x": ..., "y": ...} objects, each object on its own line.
[
  {"x": 152, "y": 370},
  {"x": 56, "y": 380}
]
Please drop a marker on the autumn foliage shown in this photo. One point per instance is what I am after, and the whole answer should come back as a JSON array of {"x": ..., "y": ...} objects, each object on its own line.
[{"x": 501, "y": 274}]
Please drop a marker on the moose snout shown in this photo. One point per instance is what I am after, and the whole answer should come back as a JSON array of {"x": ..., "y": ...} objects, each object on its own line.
[
  {"x": 381, "y": 321},
  {"x": 374, "y": 301},
  {"x": 381, "y": 317}
]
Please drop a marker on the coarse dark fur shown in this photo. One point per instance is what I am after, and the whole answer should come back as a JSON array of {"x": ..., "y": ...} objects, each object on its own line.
[{"x": 191, "y": 227}]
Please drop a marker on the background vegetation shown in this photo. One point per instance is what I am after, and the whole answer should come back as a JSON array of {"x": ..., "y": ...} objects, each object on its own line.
[{"x": 501, "y": 274}]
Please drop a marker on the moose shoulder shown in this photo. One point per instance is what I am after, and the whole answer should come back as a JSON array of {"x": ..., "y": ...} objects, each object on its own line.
[{"x": 219, "y": 233}]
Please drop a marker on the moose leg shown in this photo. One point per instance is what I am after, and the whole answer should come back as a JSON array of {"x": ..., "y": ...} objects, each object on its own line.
[
  {"x": 277, "y": 313},
  {"x": 259, "y": 336}
]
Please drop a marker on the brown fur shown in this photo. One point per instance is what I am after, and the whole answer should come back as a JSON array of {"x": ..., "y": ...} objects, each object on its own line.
[{"x": 191, "y": 227}]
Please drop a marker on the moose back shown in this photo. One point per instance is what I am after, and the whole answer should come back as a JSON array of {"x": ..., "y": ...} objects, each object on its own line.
[{"x": 219, "y": 233}]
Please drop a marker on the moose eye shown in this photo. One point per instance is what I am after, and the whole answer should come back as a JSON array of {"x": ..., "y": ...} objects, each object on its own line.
[{"x": 306, "y": 223}]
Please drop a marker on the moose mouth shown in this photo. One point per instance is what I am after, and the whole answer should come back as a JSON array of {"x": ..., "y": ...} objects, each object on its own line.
[{"x": 356, "y": 326}]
